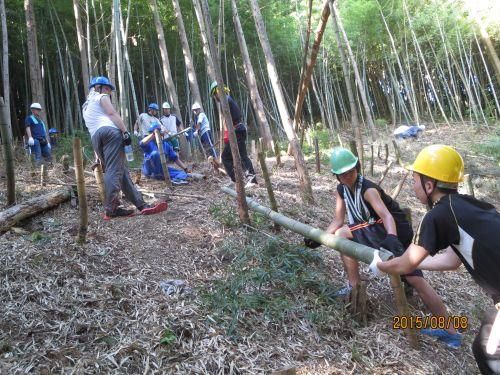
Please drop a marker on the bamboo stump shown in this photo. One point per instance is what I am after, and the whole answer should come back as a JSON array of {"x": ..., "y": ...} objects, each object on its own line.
[
  {"x": 358, "y": 303},
  {"x": 277, "y": 153},
  {"x": 65, "y": 164},
  {"x": 82, "y": 197},
  {"x": 99, "y": 179},
  {"x": 163, "y": 159},
  {"x": 269, "y": 186},
  {"x": 469, "y": 187},
  {"x": 386, "y": 146},
  {"x": 316, "y": 153},
  {"x": 138, "y": 176},
  {"x": 402, "y": 306}
]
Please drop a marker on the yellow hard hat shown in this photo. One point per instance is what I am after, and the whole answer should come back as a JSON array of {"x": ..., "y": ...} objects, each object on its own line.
[{"x": 440, "y": 162}]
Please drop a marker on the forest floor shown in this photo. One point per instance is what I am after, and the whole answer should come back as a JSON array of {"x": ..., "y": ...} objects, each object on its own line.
[{"x": 251, "y": 300}]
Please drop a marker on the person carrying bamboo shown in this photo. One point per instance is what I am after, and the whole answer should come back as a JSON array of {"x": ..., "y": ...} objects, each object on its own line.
[
  {"x": 145, "y": 120},
  {"x": 151, "y": 166},
  {"x": 240, "y": 130},
  {"x": 202, "y": 129},
  {"x": 468, "y": 232},
  {"x": 170, "y": 124},
  {"x": 38, "y": 139},
  {"x": 109, "y": 135},
  {"x": 376, "y": 220}
]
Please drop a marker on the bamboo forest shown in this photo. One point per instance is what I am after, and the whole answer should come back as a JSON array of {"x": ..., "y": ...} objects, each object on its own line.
[{"x": 250, "y": 187}]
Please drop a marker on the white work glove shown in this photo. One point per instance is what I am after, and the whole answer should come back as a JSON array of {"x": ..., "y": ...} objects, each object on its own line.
[
  {"x": 195, "y": 133},
  {"x": 31, "y": 141},
  {"x": 373, "y": 265},
  {"x": 136, "y": 133}
]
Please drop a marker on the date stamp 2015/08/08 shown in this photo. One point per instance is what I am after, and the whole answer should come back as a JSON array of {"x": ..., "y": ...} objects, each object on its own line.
[{"x": 432, "y": 322}]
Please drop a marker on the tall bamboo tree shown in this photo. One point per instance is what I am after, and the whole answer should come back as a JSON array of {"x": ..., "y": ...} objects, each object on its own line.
[{"x": 82, "y": 47}]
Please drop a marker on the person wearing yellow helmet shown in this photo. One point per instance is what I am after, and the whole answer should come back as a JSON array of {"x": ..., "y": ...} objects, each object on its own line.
[
  {"x": 373, "y": 219},
  {"x": 465, "y": 229}
]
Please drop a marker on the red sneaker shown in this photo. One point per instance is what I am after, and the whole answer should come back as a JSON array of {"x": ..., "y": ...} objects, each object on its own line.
[
  {"x": 119, "y": 212},
  {"x": 154, "y": 209}
]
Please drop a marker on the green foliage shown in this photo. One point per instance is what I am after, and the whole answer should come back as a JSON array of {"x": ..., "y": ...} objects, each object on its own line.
[
  {"x": 224, "y": 213},
  {"x": 65, "y": 145},
  {"x": 381, "y": 122},
  {"x": 271, "y": 281},
  {"x": 167, "y": 337},
  {"x": 489, "y": 148}
]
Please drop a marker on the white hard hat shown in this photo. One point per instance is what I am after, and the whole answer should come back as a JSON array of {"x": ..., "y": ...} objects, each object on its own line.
[
  {"x": 36, "y": 106},
  {"x": 165, "y": 105},
  {"x": 195, "y": 105}
]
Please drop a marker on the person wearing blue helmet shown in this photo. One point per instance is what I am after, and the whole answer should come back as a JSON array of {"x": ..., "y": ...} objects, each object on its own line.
[
  {"x": 109, "y": 135},
  {"x": 38, "y": 139},
  {"x": 151, "y": 166},
  {"x": 145, "y": 120}
]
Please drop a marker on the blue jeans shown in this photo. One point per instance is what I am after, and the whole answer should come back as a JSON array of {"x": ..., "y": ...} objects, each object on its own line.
[
  {"x": 39, "y": 151},
  {"x": 206, "y": 141}
]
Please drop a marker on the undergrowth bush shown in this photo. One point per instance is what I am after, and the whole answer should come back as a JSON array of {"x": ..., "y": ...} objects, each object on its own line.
[{"x": 272, "y": 281}]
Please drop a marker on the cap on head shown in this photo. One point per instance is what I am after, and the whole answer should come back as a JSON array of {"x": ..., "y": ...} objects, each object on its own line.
[
  {"x": 213, "y": 87},
  {"x": 195, "y": 105},
  {"x": 102, "y": 81},
  {"x": 153, "y": 127},
  {"x": 166, "y": 105},
  {"x": 36, "y": 106},
  {"x": 440, "y": 162},
  {"x": 153, "y": 106},
  {"x": 342, "y": 160}
]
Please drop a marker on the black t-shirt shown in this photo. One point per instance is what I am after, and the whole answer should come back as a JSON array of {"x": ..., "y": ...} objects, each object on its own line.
[
  {"x": 472, "y": 229},
  {"x": 235, "y": 110},
  {"x": 403, "y": 226}
]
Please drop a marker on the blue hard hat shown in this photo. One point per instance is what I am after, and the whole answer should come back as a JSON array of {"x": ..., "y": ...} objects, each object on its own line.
[
  {"x": 154, "y": 106},
  {"x": 154, "y": 126},
  {"x": 103, "y": 81},
  {"x": 52, "y": 131}
]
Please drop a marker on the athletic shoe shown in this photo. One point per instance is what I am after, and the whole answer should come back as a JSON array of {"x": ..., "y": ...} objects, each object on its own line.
[
  {"x": 149, "y": 209},
  {"x": 344, "y": 292},
  {"x": 119, "y": 212},
  {"x": 450, "y": 339},
  {"x": 251, "y": 181}
]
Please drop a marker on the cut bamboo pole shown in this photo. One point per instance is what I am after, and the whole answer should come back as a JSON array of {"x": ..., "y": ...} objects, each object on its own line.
[
  {"x": 316, "y": 152},
  {"x": 65, "y": 164},
  {"x": 43, "y": 175},
  {"x": 99, "y": 179},
  {"x": 277, "y": 153},
  {"x": 398, "y": 153},
  {"x": 402, "y": 306},
  {"x": 82, "y": 196},
  {"x": 385, "y": 173},
  {"x": 469, "y": 187},
  {"x": 6, "y": 134},
  {"x": 371, "y": 160},
  {"x": 163, "y": 159},
  {"x": 352, "y": 249},
  {"x": 32, "y": 207},
  {"x": 269, "y": 186},
  {"x": 386, "y": 146}
]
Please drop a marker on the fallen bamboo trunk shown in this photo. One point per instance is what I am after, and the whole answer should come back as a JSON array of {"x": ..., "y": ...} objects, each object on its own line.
[
  {"x": 34, "y": 206},
  {"x": 358, "y": 251}
]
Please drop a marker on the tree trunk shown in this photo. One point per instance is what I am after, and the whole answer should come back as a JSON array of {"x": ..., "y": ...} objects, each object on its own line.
[
  {"x": 311, "y": 61},
  {"x": 37, "y": 93},
  {"x": 238, "y": 171},
  {"x": 490, "y": 50},
  {"x": 81, "y": 46},
  {"x": 354, "y": 111},
  {"x": 7, "y": 148},
  {"x": 34, "y": 206},
  {"x": 255, "y": 98},
  {"x": 300, "y": 165},
  {"x": 117, "y": 20},
  {"x": 5, "y": 68},
  {"x": 188, "y": 59},
  {"x": 167, "y": 75}
]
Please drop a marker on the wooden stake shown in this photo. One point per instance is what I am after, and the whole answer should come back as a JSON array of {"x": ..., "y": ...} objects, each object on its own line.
[
  {"x": 82, "y": 197},
  {"x": 269, "y": 186},
  {"x": 163, "y": 159},
  {"x": 316, "y": 152},
  {"x": 277, "y": 153},
  {"x": 398, "y": 188},
  {"x": 65, "y": 164},
  {"x": 385, "y": 173},
  {"x": 402, "y": 306},
  {"x": 371, "y": 160},
  {"x": 398, "y": 153},
  {"x": 386, "y": 153},
  {"x": 43, "y": 175},
  {"x": 99, "y": 179},
  {"x": 469, "y": 187}
]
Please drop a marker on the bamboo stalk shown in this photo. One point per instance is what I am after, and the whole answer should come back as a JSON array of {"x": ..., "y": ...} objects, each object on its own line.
[
  {"x": 277, "y": 153},
  {"x": 82, "y": 197},
  {"x": 385, "y": 173},
  {"x": 398, "y": 188},
  {"x": 43, "y": 175},
  {"x": 398, "y": 153},
  {"x": 469, "y": 187},
  {"x": 372, "y": 160},
  {"x": 352, "y": 249},
  {"x": 269, "y": 186},
  {"x": 99, "y": 179},
  {"x": 8, "y": 154},
  {"x": 163, "y": 159},
  {"x": 316, "y": 152}
]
